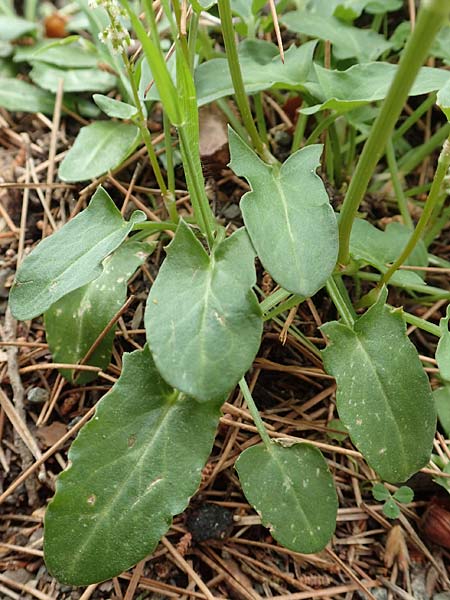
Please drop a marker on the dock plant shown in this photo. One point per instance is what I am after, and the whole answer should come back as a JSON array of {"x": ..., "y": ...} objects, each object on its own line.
[{"x": 139, "y": 460}]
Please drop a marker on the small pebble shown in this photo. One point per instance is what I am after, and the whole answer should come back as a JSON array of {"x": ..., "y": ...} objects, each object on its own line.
[{"x": 37, "y": 395}]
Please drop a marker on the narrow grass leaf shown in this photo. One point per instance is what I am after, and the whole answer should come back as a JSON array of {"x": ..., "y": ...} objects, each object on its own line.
[
  {"x": 283, "y": 483},
  {"x": 383, "y": 395},
  {"x": 442, "y": 401},
  {"x": 70, "y": 258},
  {"x": 132, "y": 467},
  {"x": 202, "y": 318},
  {"x": 98, "y": 148},
  {"x": 288, "y": 216},
  {"x": 443, "y": 347},
  {"x": 74, "y": 322},
  {"x": 75, "y": 80}
]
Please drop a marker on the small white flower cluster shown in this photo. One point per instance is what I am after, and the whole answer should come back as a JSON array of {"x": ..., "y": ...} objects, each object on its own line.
[{"x": 115, "y": 33}]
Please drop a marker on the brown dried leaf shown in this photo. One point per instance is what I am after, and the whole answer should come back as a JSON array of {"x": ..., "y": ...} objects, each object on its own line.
[
  {"x": 396, "y": 549},
  {"x": 51, "y": 434},
  {"x": 214, "y": 151}
]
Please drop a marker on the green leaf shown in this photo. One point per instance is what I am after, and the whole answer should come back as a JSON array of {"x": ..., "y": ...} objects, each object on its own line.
[
  {"x": 404, "y": 494},
  {"x": 365, "y": 83},
  {"x": 291, "y": 225},
  {"x": 330, "y": 7},
  {"x": 442, "y": 401},
  {"x": 383, "y": 395},
  {"x": 443, "y": 347},
  {"x": 380, "y": 492},
  {"x": 114, "y": 108},
  {"x": 74, "y": 322},
  {"x": 337, "y": 425},
  {"x": 12, "y": 28},
  {"x": 378, "y": 248},
  {"x": 443, "y": 99},
  {"x": 75, "y": 80},
  {"x": 98, "y": 148},
  {"x": 133, "y": 466},
  {"x": 76, "y": 54},
  {"x": 199, "y": 5},
  {"x": 70, "y": 258},
  {"x": 261, "y": 69},
  {"x": 440, "y": 47},
  {"x": 205, "y": 348},
  {"x": 284, "y": 484},
  {"x": 350, "y": 10},
  {"x": 391, "y": 510},
  {"x": 17, "y": 95},
  {"x": 444, "y": 481},
  {"x": 348, "y": 41}
]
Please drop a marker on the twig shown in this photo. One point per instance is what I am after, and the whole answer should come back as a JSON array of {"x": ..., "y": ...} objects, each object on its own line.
[
  {"x": 186, "y": 568},
  {"x": 18, "y": 397},
  {"x": 19, "y": 425},
  {"x": 276, "y": 25},
  {"x": 25, "y": 474}
]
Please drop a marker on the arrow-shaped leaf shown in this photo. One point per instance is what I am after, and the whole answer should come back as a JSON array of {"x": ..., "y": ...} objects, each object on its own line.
[
  {"x": 74, "y": 322},
  {"x": 69, "y": 258},
  {"x": 383, "y": 395},
  {"x": 292, "y": 489},
  {"x": 133, "y": 466},
  {"x": 288, "y": 217},
  {"x": 202, "y": 319}
]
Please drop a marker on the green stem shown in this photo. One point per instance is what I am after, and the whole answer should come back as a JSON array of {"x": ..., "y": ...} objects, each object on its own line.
[
  {"x": 432, "y": 200},
  {"x": 395, "y": 179},
  {"x": 274, "y": 299},
  {"x": 260, "y": 117},
  {"x": 324, "y": 123},
  {"x": 299, "y": 132},
  {"x": 283, "y": 307},
  {"x": 150, "y": 227},
  {"x": 238, "y": 82},
  {"x": 254, "y": 413},
  {"x": 432, "y": 16},
  {"x": 414, "y": 117},
  {"x": 194, "y": 176},
  {"x": 171, "y": 203},
  {"x": 341, "y": 303},
  {"x": 141, "y": 122},
  {"x": 428, "y": 290},
  {"x": 437, "y": 223},
  {"x": 422, "y": 324},
  {"x": 414, "y": 157},
  {"x": 233, "y": 120}
]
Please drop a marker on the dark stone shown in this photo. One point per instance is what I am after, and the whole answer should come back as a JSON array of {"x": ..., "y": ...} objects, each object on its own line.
[{"x": 210, "y": 522}]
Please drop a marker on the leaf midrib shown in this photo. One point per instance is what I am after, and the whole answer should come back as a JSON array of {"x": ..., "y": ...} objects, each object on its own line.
[
  {"x": 384, "y": 395},
  {"x": 159, "y": 428}
]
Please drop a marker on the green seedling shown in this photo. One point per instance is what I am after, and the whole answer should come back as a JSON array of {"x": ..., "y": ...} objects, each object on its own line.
[{"x": 404, "y": 495}]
